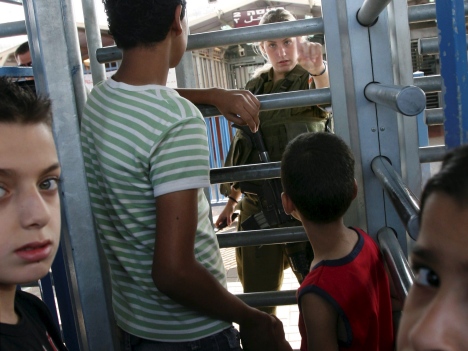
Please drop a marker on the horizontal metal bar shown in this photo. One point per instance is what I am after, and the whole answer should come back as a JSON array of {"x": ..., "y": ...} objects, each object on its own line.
[
  {"x": 233, "y": 36},
  {"x": 244, "y": 173},
  {"x": 370, "y": 11},
  {"x": 408, "y": 100},
  {"x": 399, "y": 269},
  {"x": 426, "y": 12},
  {"x": 269, "y": 298},
  {"x": 429, "y": 154},
  {"x": 16, "y": 71},
  {"x": 279, "y": 101},
  {"x": 434, "y": 116},
  {"x": 14, "y": 2},
  {"x": 262, "y": 237},
  {"x": 429, "y": 84},
  {"x": 255, "y": 33},
  {"x": 403, "y": 199},
  {"x": 10, "y": 29},
  {"x": 430, "y": 46},
  {"x": 421, "y": 13}
]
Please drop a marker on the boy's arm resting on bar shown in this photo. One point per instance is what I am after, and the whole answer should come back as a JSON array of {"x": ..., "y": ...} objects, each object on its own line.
[{"x": 238, "y": 106}]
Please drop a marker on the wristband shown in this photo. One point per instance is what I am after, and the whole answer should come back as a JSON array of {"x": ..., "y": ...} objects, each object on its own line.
[
  {"x": 231, "y": 198},
  {"x": 324, "y": 70}
]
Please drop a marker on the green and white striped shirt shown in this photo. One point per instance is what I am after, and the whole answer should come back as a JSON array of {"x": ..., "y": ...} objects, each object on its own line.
[{"x": 140, "y": 142}]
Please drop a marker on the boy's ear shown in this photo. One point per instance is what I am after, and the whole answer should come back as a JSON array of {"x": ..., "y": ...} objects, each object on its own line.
[
  {"x": 355, "y": 189},
  {"x": 177, "y": 22},
  {"x": 287, "y": 203}
]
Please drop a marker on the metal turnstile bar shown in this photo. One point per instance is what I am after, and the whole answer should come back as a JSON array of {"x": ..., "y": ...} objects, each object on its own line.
[
  {"x": 282, "y": 100},
  {"x": 429, "y": 84},
  {"x": 244, "y": 173},
  {"x": 262, "y": 237},
  {"x": 403, "y": 199},
  {"x": 11, "y": 29},
  {"x": 399, "y": 269},
  {"x": 14, "y": 2},
  {"x": 434, "y": 116},
  {"x": 233, "y": 36},
  {"x": 409, "y": 100},
  {"x": 429, "y": 154},
  {"x": 370, "y": 11},
  {"x": 430, "y": 46},
  {"x": 426, "y": 12},
  {"x": 269, "y": 298}
]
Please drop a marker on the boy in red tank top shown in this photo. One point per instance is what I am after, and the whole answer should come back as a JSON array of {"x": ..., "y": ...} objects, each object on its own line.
[{"x": 345, "y": 300}]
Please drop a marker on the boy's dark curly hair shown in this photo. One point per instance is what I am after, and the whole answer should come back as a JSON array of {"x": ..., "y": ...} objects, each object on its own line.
[
  {"x": 140, "y": 22},
  {"x": 22, "y": 106},
  {"x": 317, "y": 172},
  {"x": 451, "y": 180}
]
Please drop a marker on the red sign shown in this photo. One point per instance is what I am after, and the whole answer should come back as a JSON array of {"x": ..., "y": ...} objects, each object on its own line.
[{"x": 249, "y": 18}]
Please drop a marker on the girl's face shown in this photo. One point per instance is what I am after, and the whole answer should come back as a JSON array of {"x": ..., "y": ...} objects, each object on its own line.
[
  {"x": 282, "y": 54},
  {"x": 29, "y": 202},
  {"x": 435, "y": 315}
]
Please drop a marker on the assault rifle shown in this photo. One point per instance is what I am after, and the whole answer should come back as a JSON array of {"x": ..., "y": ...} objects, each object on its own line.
[
  {"x": 272, "y": 213},
  {"x": 267, "y": 191}
]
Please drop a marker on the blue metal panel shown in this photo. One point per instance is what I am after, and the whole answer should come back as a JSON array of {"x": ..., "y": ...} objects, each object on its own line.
[
  {"x": 217, "y": 153},
  {"x": 453, "y": 65},
  {"x": 16, "y": 71}
]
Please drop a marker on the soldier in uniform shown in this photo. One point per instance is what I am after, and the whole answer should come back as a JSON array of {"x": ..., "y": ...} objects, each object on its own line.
[{"x": 293, "y": 64}]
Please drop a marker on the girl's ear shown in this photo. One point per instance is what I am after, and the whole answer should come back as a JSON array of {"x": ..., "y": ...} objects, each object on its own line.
[{"x": 261, "y": 47}]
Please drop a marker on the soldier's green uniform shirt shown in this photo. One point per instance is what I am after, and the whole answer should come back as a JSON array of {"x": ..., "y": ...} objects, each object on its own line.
[{"x": 278, "y": 127}]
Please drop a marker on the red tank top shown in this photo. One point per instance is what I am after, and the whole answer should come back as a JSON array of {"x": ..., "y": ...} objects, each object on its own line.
[{"x": 357, "y": 287}]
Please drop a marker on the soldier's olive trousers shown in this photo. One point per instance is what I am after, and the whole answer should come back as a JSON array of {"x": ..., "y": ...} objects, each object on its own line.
[{"x": 261, "y": 268}]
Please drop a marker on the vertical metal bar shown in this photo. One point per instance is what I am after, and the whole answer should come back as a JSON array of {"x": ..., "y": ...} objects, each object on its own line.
[
  {"x": 93, "y": 316},
  {"x": 453, "y": 66},
  {"x": 407, "y": 127},
  {"x": 387, "y": 119},
  {"x": 208, "y": 122},
  {"x": 74, "y": 56},
  {"x": 423, "y": 137},
  {"x": 48, "y": 296},
  {"x": 349, "y": 59},
  {"x": 64, "y": 302},
  {"x": 93, "y": 37},
  {"x": 184, "y": 72}
]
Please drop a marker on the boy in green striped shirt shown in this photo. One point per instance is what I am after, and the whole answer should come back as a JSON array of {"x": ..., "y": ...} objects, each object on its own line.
[{"x": 146, "y": 158}]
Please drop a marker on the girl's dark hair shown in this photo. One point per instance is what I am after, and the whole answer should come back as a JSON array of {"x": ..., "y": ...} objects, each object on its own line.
[
  {"x": 451, "y": 180},
  {"x": 21, "y": 105},
  {"x": 140, "y": 22}
]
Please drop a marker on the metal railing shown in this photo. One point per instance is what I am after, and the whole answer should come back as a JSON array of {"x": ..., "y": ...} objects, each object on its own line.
[{"x": 404, "y": 201}]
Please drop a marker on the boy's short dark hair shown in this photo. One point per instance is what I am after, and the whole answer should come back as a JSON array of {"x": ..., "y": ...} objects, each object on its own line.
[
  {"x": 140, "y": 22},
  {"x": 317, "y": 172},
  {"x": 22, "y": 106},
  {"x": 451, "y": 180},
  {"x": 22, "y": 49}
]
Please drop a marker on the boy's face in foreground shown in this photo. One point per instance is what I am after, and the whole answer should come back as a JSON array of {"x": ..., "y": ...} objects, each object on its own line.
[
  {"x": 29, "y": 202},
  {"x": 435, "y": 316}
]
